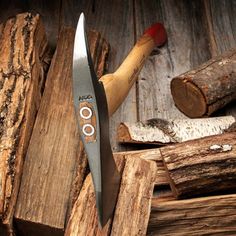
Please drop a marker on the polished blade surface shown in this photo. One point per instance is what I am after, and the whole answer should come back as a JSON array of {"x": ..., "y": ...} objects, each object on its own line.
[{"x": 92, "y": 114}]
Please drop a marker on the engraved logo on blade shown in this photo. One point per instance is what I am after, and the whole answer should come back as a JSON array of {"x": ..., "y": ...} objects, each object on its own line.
[{"x": 87, "y": 120}]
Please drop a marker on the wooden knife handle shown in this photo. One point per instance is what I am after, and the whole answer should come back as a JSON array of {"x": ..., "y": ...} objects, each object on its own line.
[{"x": 118, "y": 84}]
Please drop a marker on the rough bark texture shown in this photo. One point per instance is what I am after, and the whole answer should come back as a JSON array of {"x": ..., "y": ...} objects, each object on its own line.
[
  {"x": 160, "y": 131},
  {"x": 202, "y": 166},
  {"x": 55, "y": 162},
  {"x": 207, "y": 88},
  {"x": 133, "y": 204},
  {"x": 194, "y": 217},
  {"x": 23, "y": 62}
]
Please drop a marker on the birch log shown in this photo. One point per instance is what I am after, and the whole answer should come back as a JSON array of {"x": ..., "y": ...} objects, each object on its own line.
[
  {"x": 23, "y": 56},
  {"x": 160, "y": 131},
  {"x": 201, "y": 166},
  {"x": 215, "y": 215},
  {"x": 206, "y": 89}
]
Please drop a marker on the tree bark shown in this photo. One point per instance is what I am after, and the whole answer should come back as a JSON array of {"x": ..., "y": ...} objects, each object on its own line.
[
  {"x": 201, "y": 166},
  {"x": 215, "y": 215},
  {"x": 55, "y": 162},
  {"x": 23, "y": 61},
  {"x": 160, "y": 131},
  {"x": 206, "y": 89}
]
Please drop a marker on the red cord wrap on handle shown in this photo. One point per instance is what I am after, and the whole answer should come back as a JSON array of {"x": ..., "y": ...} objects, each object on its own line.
[{"x": 158, "y": 33}]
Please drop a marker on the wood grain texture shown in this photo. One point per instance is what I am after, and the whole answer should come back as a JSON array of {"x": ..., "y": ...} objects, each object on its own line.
[
  {"x": 134, "y": 200},
  {"x": 23, "y": 49},
  {"x": 55, "y": 162},
  {"x": 84, "y": 218},
  {"x": 194, "y": 217},
  {"x": 222, "y": 19},
  {"x": 133, "y": 204},
  {"x": 186, "y": 49},
  {"x": 161, "y": 178},
  {"x": 207, "y": 88},
  {"x": 223, "y": 23},
  {"x": 161, "y": 131},
  {"x": 114, "y": 20},
  {"x": 201, "y": 166}
]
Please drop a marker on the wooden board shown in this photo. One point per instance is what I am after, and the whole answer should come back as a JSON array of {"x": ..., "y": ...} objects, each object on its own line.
[
  {"x": 198, "y": 216},
  {"x": 114, "y": 19},
  {"x": 186, "y": 48},
  {"x": 222, "y": 22},
  {"x": 55, "y": 162}
]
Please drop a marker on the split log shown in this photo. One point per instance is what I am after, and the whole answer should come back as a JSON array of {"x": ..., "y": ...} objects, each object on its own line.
[
  {"x": 201, "y": 166},
  {"x": 134, "y": 201},
  {"x": 23, "y": 63},
  {"x": 83, "y": 219},
  {"x": 208, "y": 88},
  {"x": 215, "y": 215},
  {"x": 160, "y": 131},
  {"x": 153, "y": 155},
  {"x": 133, "y": 204},
  {"x": 55, "y": 162}
]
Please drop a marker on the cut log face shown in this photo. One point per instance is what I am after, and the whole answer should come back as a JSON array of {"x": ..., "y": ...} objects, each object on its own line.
[
  {"x": 208, "y": 88},
  {"x": 214, "y": 215},
  {"x": 160, "y": 131},
  {"x": 201, "y": 166},
  {"x": 23, "y": 53},
  {"x": 55, "y": 164}
]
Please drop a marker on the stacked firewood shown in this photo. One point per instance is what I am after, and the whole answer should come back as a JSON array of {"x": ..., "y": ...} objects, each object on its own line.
[{"x": 45, "y": 187}]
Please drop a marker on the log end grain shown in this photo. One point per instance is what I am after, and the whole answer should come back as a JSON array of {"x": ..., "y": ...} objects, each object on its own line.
[
  {"x": 123, "y": 134},
  {"x": 188, "y": 98}
]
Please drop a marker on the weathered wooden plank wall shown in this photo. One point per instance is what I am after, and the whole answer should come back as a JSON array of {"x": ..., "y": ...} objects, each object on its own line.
[
  {"x": 114, "y": 20},
  {"x": 187, "y": 47},
  {"x": 223, "y": 23}
]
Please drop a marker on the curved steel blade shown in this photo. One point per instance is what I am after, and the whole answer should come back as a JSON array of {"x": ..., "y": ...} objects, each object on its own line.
[{"x": 92, "y": 114}]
